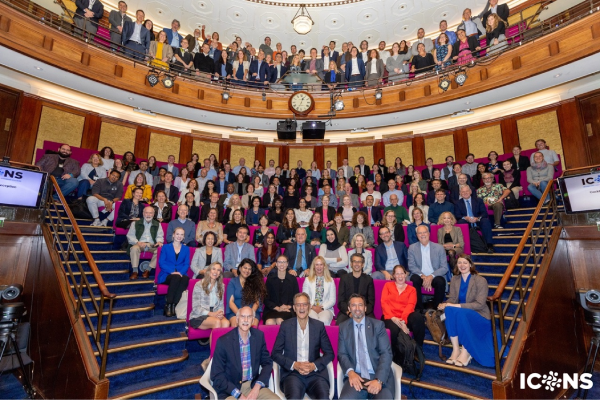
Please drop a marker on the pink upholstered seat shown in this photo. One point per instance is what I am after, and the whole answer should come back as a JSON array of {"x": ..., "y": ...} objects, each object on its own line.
[
  {"x": 270, "y": 332},
  {"x": 194, "y": 334},
  {"x": 214, "y": 337}
]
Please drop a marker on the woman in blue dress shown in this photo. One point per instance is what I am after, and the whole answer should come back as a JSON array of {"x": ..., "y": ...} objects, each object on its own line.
[
  {"x": 442, "y": 52},
  {"x": 174, "y": 263},
  {"x": 468, "y": 316},
  {"x": 246, "y": 289},
  {"x": 411, "y": 229}
]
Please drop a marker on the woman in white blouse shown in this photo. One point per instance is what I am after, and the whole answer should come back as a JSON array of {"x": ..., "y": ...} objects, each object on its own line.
[
  {"x": 321, "y": 290},
  {"x": 303, "y": 214},
  {"x": 335, "y": 254},
  {"x": 182, "y": 180},
  {"x": 419, "y": 201},
  {"x": 241, "y": 67},
  {"x": 192, "y": 186}
]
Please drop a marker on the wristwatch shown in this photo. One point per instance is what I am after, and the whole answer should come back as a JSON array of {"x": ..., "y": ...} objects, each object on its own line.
[{"x": 379, "y": 380}]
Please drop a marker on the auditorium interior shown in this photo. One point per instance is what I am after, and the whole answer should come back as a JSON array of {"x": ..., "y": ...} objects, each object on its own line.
[{"x": 378, "y": 107}]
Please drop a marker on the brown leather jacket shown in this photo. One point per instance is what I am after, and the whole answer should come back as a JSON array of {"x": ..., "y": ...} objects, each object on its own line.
[{"x": 49, "y": 162}]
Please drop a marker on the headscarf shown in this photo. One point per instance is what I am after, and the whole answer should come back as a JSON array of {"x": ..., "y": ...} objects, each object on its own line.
[{"x": 332, "y": 246}]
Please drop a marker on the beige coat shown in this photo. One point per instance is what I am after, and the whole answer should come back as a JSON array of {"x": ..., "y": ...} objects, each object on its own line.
[
  {"x": 476, "y": 294},
  {"x": 457, "y": 238},
  {"x": 167, "y": 50}
]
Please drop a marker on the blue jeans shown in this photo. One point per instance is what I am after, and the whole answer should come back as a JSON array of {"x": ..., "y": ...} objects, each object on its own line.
[
  {"x": 83, "y": 187},
  {"x": 538, "y": 192},
  {"x": 66, "y": 186}
]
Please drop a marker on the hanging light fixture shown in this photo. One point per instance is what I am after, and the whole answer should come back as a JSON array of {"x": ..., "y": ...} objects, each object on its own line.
[{"x": 302, "y": 21}]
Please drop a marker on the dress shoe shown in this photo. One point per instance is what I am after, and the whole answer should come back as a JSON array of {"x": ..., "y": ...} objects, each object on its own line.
[
  {"x": 459, "y": 363},
  {"x": 133, "y": 276},
  {"x": 170, "y": 310},
  {"x": 491, "y": 249},
  {"x": 146, "y": 274},
  {"x": 166, "y": 310}
]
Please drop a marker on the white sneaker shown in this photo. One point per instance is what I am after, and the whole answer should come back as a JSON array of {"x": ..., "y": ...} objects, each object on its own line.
[
  {"x": 96, "y": 222},
  {"x": 104, "y": 222}
]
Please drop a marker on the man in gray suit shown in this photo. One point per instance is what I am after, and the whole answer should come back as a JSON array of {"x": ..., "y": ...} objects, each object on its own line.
[
  {"x": 260, "y": 172},
  {"x": 117, "y": 19},
  {"x": 236, "y": 252},
  {"x": 421, "y": 39},
  {"x": 314, "y": 66},
  {"x": 428, "y": 267},
  {"x": 366, "y": 368}
]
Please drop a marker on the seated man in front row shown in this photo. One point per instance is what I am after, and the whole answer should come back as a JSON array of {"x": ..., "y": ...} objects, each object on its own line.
[
  {"x": 428, "y": 266},
  {"x": 297, "y": 350},
  {"x": 64, "y": 168},
  {"x": 144, "y": 235},
  {"x": 365, "y": 356},
  {"x": 241, "y": 365},
  {"x": 355, "y": 283}
]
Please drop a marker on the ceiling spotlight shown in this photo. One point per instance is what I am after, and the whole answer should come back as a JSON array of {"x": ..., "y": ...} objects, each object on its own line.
[
  {"x": 339, "y": 105},
  {"x": 168, "y": 82},
  {"x": 302, "y": 21},
  {"x": 152, "y": 79},
  {"x": 461, "y": 78},
  {"x": 445, "y": 83},
  {"x": 225, "y": 95},
  {"x": 378, "y": 94}
]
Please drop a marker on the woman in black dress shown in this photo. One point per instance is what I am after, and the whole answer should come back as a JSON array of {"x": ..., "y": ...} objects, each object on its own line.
[
  {"x": 281, "y": 289},
  {"x": 422, "y": 62}
]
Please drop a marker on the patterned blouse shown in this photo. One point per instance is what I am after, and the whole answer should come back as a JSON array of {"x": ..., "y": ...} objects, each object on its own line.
[
  {"x": 493, "y": 192},
  {"x": 320, "y": 290}
]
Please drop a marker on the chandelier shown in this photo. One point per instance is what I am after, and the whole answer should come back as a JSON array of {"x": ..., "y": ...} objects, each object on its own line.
[{"x": 302, "y": 21}]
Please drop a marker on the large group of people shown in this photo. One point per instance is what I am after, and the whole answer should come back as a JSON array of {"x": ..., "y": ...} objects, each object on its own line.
[
  {"x": 242, "y": 63},
  {"x": 317, "y": 224}
]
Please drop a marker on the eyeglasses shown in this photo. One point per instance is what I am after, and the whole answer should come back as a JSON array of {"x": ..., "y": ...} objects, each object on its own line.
[
  {"x": 301, "y": 305},
  {"x": 246, "y": 317},
  {"x": 282, "y": 262}
]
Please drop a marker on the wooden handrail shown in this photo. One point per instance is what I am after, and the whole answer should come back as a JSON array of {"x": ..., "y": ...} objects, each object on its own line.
[
  {"x": 515, "y": 260},
  {"x": 86, "y": 251}
]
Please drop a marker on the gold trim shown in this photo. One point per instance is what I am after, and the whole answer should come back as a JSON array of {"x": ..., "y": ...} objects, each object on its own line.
[
  {"x": 440, "y": 389},
  {"x": 297, "y": 5},
  {"x": 124, "y": 311},
  {"x": 142, "y": 326},
  {"x": 184, "y": 357},
  {"x": 158, "y": 388},
  {"x": 181, "y": 338},
  {"x": 461, "y": 369}
]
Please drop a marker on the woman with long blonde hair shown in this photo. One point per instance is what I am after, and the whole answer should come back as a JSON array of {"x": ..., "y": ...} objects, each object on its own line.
[{"x": 321, "y": 290}]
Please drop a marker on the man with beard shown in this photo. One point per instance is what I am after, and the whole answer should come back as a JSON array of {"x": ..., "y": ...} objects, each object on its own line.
[{"x": 63, "y": 168}]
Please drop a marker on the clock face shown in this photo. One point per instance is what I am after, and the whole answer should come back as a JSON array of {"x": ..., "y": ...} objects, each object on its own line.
[{"x": 301, "y": 103}]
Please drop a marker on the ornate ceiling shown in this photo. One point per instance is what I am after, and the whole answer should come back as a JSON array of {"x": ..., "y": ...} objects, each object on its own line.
[{"x": 339, "y": 20}]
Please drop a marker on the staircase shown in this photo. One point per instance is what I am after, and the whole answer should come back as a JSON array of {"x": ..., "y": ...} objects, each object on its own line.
[{"x": 150, "y": 356}]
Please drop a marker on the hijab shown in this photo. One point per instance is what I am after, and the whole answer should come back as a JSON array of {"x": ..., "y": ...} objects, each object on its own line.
[{"x": 333, "y": 246}]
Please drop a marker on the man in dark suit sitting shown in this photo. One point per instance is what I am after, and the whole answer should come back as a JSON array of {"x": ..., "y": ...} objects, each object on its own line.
[
  {"x": 299, "y": 253},
  {"x": 297, "y": 350},
  {"x": 170, "y": 190},
  {"x": 365, "y": 356},
  {"x": 471, "y": 210},
  {"x": 455, "y": 183},
  {"x": 214, "y": 203},
  {"x": 388, "y": 254},
  {"x": 249, "y": 378},
  {"x": 373, "y": 211},
  {"x": 356, "y": 282}
]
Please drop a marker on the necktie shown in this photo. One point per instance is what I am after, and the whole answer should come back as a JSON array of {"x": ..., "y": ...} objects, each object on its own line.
[
  {"x": 369, "y": 215},
  {"x": 362, "y": 355},
  {"x": 299, "y": 260},
  {"x": 469, "y": 209}
]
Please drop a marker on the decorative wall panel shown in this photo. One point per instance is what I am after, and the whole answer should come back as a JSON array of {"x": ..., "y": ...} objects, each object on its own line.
[
  {"x": 403, "y": 150},
  {"x": 204, "y": 149},
  {"x": 542, "y": 126},
  {"x": 272, "y": 153},
  {"x": 306, "y": 154},
  {"x": 162, "y": 146},
  {"x": 237, "y": 152},
  {"x": 439, "y": 148},
  {"x": 355, "y": 152},
  {"x": 120, "y": 138},
  {"x": 330, "y": 154},
  {"x": 59, "y": 126},
  {"x": 484, "y": 140}
]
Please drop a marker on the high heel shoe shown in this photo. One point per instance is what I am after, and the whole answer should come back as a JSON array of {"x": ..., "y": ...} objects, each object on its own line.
[{"x": 461, "y": 364}]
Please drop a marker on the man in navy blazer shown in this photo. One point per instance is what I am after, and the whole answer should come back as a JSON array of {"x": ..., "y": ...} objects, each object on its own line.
[
  {"x": 375, "y": 212},
  {"x": 383, "y": 264},
  {"x": 87, "y": 17},
  {"x": 277, "y": 70},
  {"x": 333, "y": 55},
  {"x": 353, "y": 77},
  {"x": 427, "y": 272},
  {"x": 136, "y": 37},
  {"x": 227, "y": 373},
  {"x": 479, "y": 216},
  {"x": 173, "y": 37},
  {"x": 292, "y": 252},
  {"x": 259, "y": 71},
  {"x": 303, "y": 368}
]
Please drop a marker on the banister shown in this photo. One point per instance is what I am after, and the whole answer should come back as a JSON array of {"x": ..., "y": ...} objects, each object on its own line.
[
  {"x": 515, "y": 260},
  {"x": 86, "y": 251}
]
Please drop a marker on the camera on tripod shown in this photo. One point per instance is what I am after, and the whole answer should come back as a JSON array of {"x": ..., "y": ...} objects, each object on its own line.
[{"x": 590, "y": 302}]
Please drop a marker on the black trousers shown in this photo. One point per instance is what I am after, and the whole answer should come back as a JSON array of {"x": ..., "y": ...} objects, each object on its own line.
[
  {"x": 177, "y": 284},
  {"x": 439, "y": 286},
  {"x": 338, "y": 274},
  {"x": 415, "y": 323},
  {"x": 295, "y": 386}
]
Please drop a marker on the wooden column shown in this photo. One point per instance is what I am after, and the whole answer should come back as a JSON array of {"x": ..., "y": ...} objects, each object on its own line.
[
  {"x": 284, "y": 154},
  {"x": 185, "y": 149},
  {"x": 573, "y": 134},
  {"x": 260, "y": 154},
  {"x": 225, "y": 151},
  {"x": 418, "y": 144},
  {"x": 319, "y": 156},
  {"x": 91, "y": 131},
  {"x": 142, "y": 141},
  {"x": 22, "y": 146},
  {"x": 510, "y": 133},
  {"x": 378, "y": 151},
  {"x": 461, "y": 144},
  {"x": 342, "y": 152}
]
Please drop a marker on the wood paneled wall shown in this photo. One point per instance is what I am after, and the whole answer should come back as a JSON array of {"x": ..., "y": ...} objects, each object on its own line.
[{"x": 572, "y": 138}]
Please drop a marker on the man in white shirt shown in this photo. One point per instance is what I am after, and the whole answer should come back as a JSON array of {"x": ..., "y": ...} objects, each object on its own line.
[
  {"x": 370, "y": 192},
  {"x": 383, "y": 53},
  {"x": 270, "y": 171},
  {"x": 202, "y": 179},
  {"x": 236, "y": 169},
  {"x": 144, "y": 235},
  {"x": 550, "y": 156},
  {"x": 297, "y": 350},
  {"x": 428, "y": 267},
  {"x": 143, "y": 170},
  {"x": 171, "y": 166},
  {"x": 391, "y": 191},
  {"x": 348, "y": 170}
]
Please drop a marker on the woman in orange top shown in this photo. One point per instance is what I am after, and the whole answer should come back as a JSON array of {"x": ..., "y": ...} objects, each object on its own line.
[{"x": 398, "y": 301}]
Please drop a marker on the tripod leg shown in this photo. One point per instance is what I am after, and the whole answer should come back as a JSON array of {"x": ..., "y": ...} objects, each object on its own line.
[{"x": 28, "y": 385}]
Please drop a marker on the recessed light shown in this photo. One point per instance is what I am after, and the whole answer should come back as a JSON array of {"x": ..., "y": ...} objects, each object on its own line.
[
  {"x": 557, "y": 75},
  {"x": 268, "y": 123},
  {"x": 395, "y": 117},
  {"x": 467, "y": 102},
  {"x": 38, "y": 68},
  {"x": 130, "y": 98}
]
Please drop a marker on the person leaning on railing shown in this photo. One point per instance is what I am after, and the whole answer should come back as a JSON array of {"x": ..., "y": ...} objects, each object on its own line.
[
  {"x": 160, "y": 52},
  {"x": 87, "y": 17},
  {"x": 136, "y": 37},
  {"x": 468, "y": 316},
  {"x": 495, "y": 38}
]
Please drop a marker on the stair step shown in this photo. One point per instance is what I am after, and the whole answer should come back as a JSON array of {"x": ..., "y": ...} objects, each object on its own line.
[
  {"x": 121, "y": 328},
  {"x": 471, "y": 371},
  {"x": 87, "y": 299},
  {"x": 406, "y": 382},
  {"x": 159, "y": 388},
  {"x": 117, "y": 311},
  {"x": 131, "y": 346},
  {"x": 168, "y": 361}
]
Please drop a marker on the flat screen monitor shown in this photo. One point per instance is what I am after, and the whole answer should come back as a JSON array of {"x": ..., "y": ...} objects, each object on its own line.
[
  {"x": 581, "y": 193},
  {"x": 313, "y": 130},
  {"x": 21, "y": 187}
]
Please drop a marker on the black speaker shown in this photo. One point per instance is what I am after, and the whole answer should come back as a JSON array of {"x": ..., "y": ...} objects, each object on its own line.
[
  {"x": 313, "y": 130},
  {"x": 286, "y": 130}
]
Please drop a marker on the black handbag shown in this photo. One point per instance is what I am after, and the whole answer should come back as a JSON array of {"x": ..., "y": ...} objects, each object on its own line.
[
  {"x": 407, "y": 354},
  {"x": 477, "y": 242}
]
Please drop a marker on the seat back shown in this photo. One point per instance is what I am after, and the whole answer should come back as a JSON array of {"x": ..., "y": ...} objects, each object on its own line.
[
  {"x": 465, "y": 232},
  {"x": 215, "y": 335},
  {"x": 270, "y": 332},
  {"x": 333, "y": 334},
  {"x": 191, "y": 285},
  {"x": 336, "y": 310}
]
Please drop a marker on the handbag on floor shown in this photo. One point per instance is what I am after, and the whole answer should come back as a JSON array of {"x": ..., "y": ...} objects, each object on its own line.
[
  {"x": 437, "y": 328},
  {"x": 79, "y": 209},
  {"x": 478, "y": 244},
  {"x": 407, "y": 353},
  {"x": 181, "y": 307}
]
